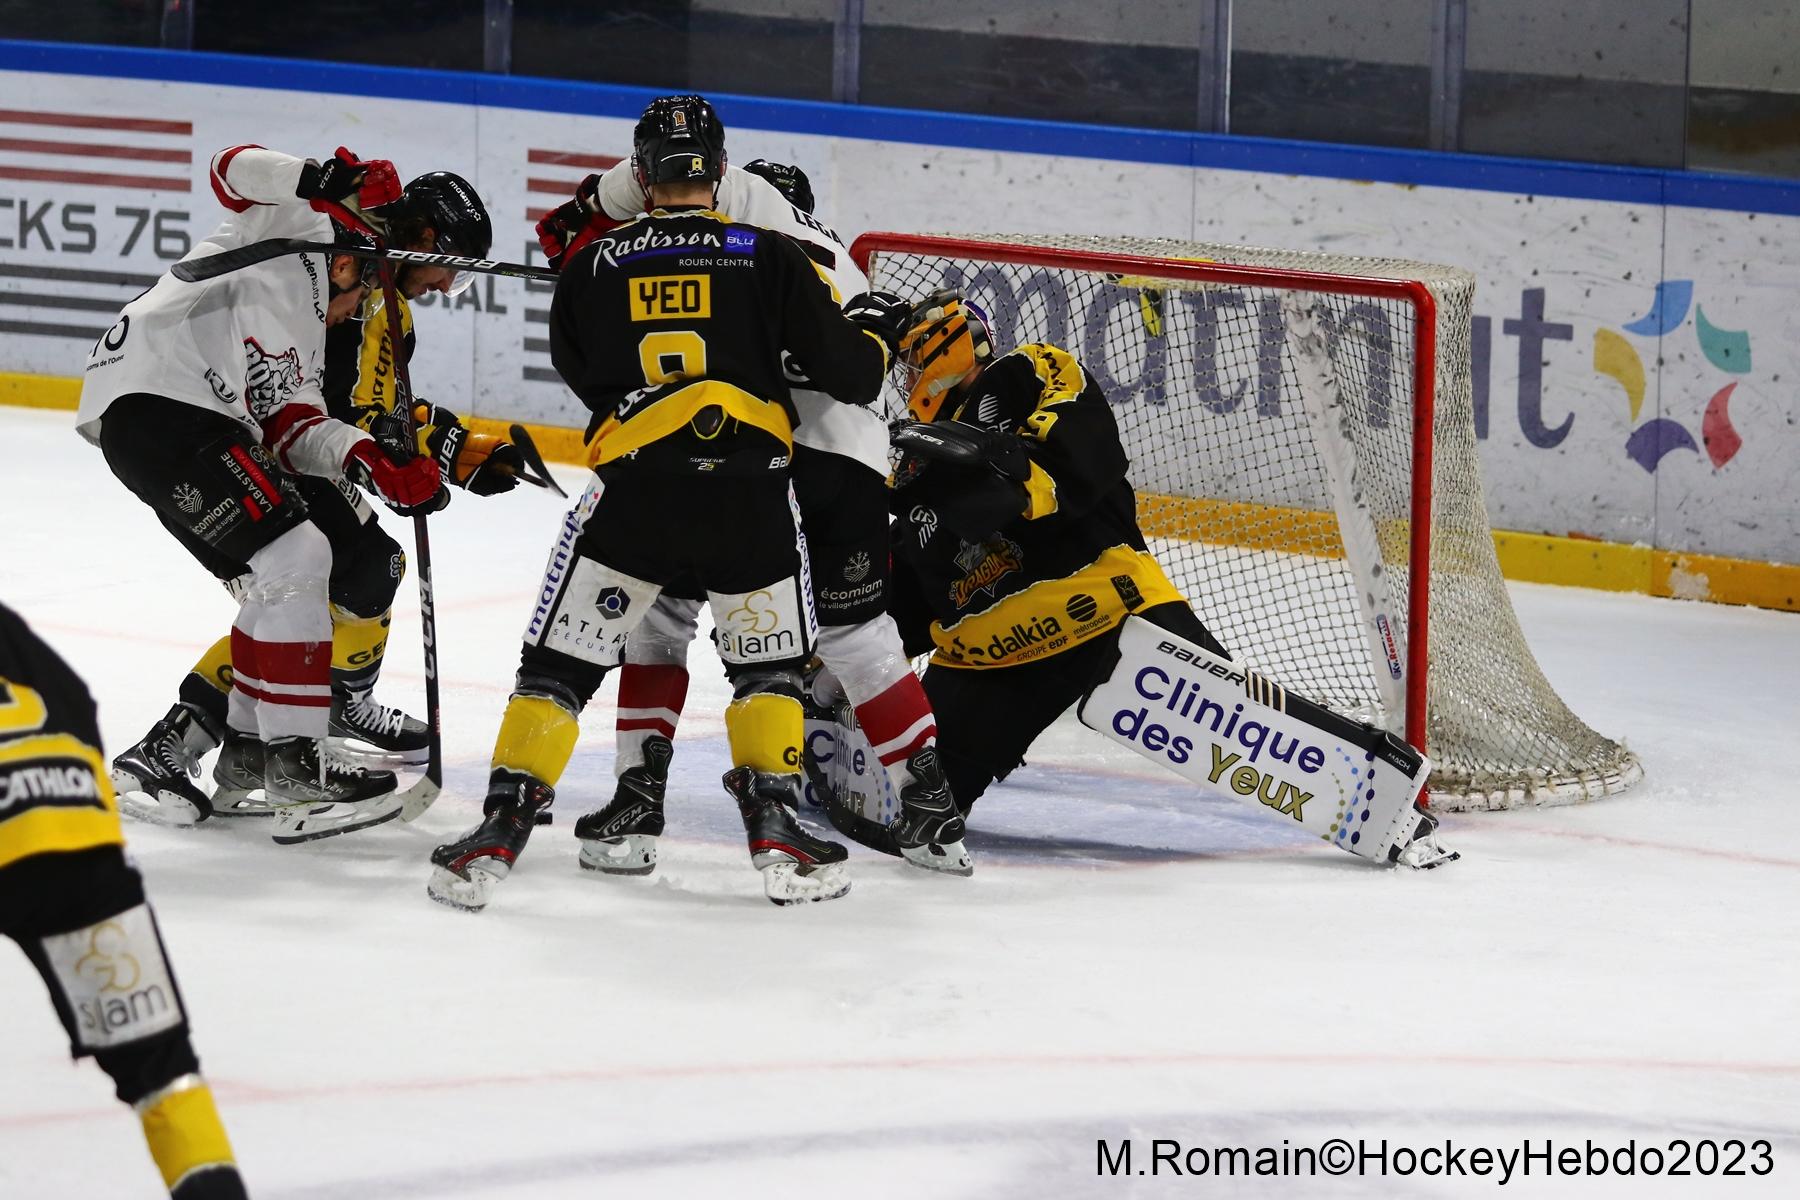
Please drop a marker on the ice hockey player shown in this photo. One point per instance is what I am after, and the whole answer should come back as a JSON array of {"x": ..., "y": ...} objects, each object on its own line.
[
  {"x": 76, "y": 906},
  {"x": 205, "y": 400},
  {"x": 1019, "y": 564},
  {"x": 839, "y": 473},
  {"x": 437, "y": 212},
  {"x": 671, "y": 329}
]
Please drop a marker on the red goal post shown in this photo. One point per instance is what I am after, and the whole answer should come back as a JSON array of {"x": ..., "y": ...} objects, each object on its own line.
[{"x": 1337, "y": 354}]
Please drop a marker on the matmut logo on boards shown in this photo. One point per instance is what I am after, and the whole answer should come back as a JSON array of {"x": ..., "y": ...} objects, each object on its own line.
[
  {"x": 79, "y": 192},
  {"x": 551, "y": 177}
]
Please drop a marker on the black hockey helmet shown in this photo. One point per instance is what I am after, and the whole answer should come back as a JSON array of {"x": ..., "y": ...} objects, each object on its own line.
[
  {"x": 346, "y": 237},
  {"x": 790, "y": 181},
  {"x": 445, "y": 202},
  {"x": 678, "y": 139}
]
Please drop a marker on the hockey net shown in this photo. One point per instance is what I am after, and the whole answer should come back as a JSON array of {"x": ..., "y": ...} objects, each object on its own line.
[{"x": 1301, "y": 433}]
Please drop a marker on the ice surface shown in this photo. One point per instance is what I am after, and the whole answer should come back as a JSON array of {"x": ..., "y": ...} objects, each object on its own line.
[{"x": 1130, "y": 959}]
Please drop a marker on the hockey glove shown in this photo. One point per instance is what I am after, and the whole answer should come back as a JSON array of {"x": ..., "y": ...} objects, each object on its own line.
[
  {"x": 883, "y": 314},
  {"x": 477, "y": 462},
  {"x": 966, "y": 445},
  {"x": 562, "y": 227},
  {"x": 347, "y": 183},
  {"x": 409, "y": 488}
]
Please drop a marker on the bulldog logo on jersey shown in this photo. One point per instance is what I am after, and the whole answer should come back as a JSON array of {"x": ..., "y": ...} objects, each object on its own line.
[{"x": 269, "y": 379}]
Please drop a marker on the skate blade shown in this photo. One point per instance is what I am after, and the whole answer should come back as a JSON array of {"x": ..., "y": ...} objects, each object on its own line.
[
  {"x": 236, "y": 802},
  {"x": 1424, "y": 853},
  {"x": 633, "y": 854},
  {"x": 369, "y": 754},
  {"x": 163, "y": 808},
  {"x": 309, "y": 823},
  {"x": 789, "y": 882},
  {"x": 466, "y": 895},
  {"x": 947, "y": 858}
]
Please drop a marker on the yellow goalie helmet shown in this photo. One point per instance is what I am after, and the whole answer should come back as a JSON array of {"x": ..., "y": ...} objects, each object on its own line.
[{"x": 948, "y": 341}]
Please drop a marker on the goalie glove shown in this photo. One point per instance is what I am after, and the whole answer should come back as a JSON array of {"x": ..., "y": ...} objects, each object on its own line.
[
  {"x": 971, "y": 479},
  {"x": 410, "y": 488},
  {"x": 964, "y": 445},
  {"x": 347, "y": 184},
  {"x": 476, "y": 462}
]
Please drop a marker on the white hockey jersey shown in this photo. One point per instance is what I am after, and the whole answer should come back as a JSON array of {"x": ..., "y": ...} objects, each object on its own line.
[
  {"x": 825, "y": 424},
  {"x": 250, "y": 344}
]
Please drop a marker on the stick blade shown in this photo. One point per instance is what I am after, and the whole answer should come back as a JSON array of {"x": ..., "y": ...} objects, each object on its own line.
[{"x": 521, "y": 438}]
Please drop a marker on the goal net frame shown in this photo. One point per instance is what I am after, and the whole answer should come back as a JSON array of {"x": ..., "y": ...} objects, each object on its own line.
[{"x": 1197, "y": 266}]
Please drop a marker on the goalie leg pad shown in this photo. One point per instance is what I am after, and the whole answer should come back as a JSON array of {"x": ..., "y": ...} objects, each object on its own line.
[{"x": 1211, "y": 721}]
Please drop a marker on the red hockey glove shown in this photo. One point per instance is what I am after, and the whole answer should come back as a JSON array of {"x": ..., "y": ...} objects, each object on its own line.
[
  {"x": 408, "y": 488},
  {"x": 347, "y": 183},
  {"x": 571, "y": 225}
]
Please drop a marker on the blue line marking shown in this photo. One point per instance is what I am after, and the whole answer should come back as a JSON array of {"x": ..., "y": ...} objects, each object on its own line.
[{"x": 1519, "y": 176}]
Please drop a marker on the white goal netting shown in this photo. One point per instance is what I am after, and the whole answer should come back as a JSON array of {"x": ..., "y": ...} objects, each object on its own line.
[{"x": 1267, "y": 400}]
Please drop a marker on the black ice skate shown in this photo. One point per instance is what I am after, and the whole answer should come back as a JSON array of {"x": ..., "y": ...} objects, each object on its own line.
[
  {"x": 620, "y": 839},
  {"x": 319, "y": 796},
  {"x": 364, "y": 726},
  {"x": 466, "y": 871},
  {"x": 155, "y": 778},
  {"x": 796, "y": 866},
  {"x": 929, "y": 827},
  {"x": 238, "y": 778}
]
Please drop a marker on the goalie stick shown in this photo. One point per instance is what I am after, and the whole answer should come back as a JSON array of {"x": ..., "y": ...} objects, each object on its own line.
[{"x": 199, "y": 270}]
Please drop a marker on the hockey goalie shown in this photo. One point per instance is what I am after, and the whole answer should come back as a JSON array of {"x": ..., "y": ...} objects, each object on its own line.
[{"x": 1018, "y": 565}]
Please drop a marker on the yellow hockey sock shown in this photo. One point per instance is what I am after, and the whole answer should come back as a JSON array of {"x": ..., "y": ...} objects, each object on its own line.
[
  {"x": 357, "y": 643},
  {"x": 183, "y": 1131},
  {"x": 765, "y": 731},
  {"x": 537, "y": 736},
  {"x": 215, "y": 665}
]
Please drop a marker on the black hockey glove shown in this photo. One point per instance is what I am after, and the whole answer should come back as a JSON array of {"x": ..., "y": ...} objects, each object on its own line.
[
  {"x": 351, "y": 184},
  {"x": 883, "y": 314},
  {"x": 477, "y": 462},
  {"x": 961, "y": 444}
]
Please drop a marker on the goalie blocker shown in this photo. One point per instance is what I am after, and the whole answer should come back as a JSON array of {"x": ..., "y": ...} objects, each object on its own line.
[{"x": 1214, "y": 722}]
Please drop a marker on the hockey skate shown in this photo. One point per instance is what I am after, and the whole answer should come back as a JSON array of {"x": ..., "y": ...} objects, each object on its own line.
[
  {"x": 155, "y": 778},
  {"x": 796, "y": 866},
  {"x": 238, "y": 778},
  {"x": 620, "y": 839},
  {"x": 929, "y": 827},
  {"x": 365, "y": 727},
  {"x": 1423, "y": 852},
  {"x": 319, "y": 796},
  {"x": 466, "y": 871}
]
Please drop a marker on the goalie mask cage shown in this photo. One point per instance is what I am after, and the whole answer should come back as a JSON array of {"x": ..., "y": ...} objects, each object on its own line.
[{"x": 1301, "y": 432}]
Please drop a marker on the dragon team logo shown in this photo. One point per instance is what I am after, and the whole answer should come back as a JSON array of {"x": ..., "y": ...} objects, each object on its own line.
[
  {"x": 857, "y": 569},
  {"x": 188, "y": 498},
  {"x": 984, "y": 565},
  {"x": 270, "y": 380}
]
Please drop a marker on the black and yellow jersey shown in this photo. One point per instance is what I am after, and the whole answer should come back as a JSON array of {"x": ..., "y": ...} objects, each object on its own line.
[
  {"x": 55, "y": 793},
  {"x": 1068, "y": 567},
  {"x": 671, "y": 329},
  {"x": 359, "y": 362}
]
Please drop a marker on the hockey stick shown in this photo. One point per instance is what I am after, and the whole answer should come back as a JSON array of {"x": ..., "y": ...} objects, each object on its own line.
[
  {"x": 540, "y": 473},
  {"x": 420, "y": 796},
  {"x": 199, "y": 270}
]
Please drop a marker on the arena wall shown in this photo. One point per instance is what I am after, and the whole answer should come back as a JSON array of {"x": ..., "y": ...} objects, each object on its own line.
[{"x": 1636, "y": 339}]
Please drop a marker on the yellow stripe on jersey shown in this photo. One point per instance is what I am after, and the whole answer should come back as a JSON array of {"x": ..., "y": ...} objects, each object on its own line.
[
  {"x": 22, "y": 710},
  {"x": 1040, "y": 493},
  {"x": 672, "y": 412},
  {"x": 1053, "y": 615},
  {"x": 1059, "y": 374},
  {"x": 27, "y": 829}
]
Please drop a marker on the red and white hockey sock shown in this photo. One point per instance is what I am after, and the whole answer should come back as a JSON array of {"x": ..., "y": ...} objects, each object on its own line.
[
  {"x": 651, "y": 696},
  {"x": 281, "y": 640},
  {"x": 898, "y": 723}
]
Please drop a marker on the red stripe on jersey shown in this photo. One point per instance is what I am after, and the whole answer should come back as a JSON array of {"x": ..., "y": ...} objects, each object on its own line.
[
  {"x": 221, "y": 187},
  {"x": 890, "y": 715},
  {"x": 243, "y": 654},
  {"x": 646, "y": 685},
  {"x": 295, "y": 430},
  {"x": 283, "y": 426}
]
